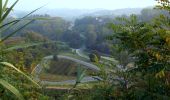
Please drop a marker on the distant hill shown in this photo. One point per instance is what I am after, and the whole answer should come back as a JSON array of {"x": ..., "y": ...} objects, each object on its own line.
[
  {"x": 125, "y": 11},
  {"x": 71, "y": 14}
]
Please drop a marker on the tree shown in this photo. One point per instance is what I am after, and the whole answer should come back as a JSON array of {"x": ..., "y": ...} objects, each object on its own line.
[
  {"x": 93, "y": 31},
  {"x": 55, "y": 58},
  {"x": 94, "y": 57},
  {"x": 73, "y": 38},
  {"x": 148, "y": 44},
  {"x": 32, "y": 36}
]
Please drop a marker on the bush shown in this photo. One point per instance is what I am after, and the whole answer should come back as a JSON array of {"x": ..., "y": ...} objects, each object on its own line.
[{"x": 94, "y": 56}]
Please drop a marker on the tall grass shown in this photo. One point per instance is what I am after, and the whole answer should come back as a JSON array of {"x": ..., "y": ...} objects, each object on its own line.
[{"x": 4, "y": 13}]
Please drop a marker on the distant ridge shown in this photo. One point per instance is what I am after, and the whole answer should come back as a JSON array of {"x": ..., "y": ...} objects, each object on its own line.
[{"x": 71, "y": 14}]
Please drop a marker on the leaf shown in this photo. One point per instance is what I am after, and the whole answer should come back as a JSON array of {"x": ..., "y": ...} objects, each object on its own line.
[
  {"x": 160, "y": 74},
  {"x": 15, "y": 31},
  {"x": 13, "y": 67},
  {"x": 5, "y": 5},
  {"x": 12, "y": 89},
  {"x": 9, "y": 23},
  {"x": 14, "y": 22},
  {"x": 1, "y": 9},
  {"x": 80, "y": 74},
  {"x": 23, "y": 18},
  {"x": 32, "y": 12},
  {"x": 8, "y": 11}
]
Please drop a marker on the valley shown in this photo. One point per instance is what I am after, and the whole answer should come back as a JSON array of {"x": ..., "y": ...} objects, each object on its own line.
[{"x": 81, "y": 52}]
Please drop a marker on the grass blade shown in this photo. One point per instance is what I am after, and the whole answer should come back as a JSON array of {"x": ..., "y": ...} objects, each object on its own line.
[
  {"x": 17, "y": 21},
  {"x": 80, "y": 75},
  {"x": 8, "y": 23},
  {"x": 15, "y": 31},
  {"x": 19, "y": 71},
  {"x": 5, "y": 6},
  {"x": 1, "y": 9},
  {"x": 32, "y": 12},
  {"x": 12, "y": 89},
  {"x": 8, "y": 11}
]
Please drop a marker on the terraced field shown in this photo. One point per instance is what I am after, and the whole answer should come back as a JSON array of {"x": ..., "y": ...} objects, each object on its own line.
[{"x": 63, "y": 71}]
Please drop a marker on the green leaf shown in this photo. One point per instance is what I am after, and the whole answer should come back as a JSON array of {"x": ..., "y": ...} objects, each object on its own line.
[
  {"x": 8, "y": 11},
  {"x": 5, "y": 5},
  {"x": 12, "y": 89},
  {"x": 14, "y": 21},
  {"x": 80, "y": 74},
  {"x": 1, "y": 9},
  {"x": 13, "y": 67},
  {"x": 32, "y": 12},
  {"x": 17, "y": 21},
  {"x": 15, "y": 31}
]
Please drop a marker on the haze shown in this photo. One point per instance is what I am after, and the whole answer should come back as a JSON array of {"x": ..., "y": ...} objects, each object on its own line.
[{"x": 83, "y": 4}]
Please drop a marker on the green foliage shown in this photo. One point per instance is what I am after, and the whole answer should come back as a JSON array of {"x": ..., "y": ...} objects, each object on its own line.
[
  {"x": 74, "y": 39},
  {"x": 89, "y": 32},
  {"x": 163, "y": 4},
  {"x": 95, "y": 57},
  {"x": 50, "y": 27},
  {"x": 12, "y": 89},
  {"x": 4, "y": 12},
  {"x": 148, "y": 44},
  {"x": 80, "y": 75},
  {"x": 13, "y": 67},
  {"x": 142, "y": 48},
  {"x": 7, "y": 76}
]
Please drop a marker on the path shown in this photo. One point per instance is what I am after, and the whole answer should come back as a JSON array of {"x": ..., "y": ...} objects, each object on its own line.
[{"x": 37, "y": 70}]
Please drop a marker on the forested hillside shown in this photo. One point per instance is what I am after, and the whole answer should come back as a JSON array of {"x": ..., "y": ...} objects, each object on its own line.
[{"x": 89, "y": 31}]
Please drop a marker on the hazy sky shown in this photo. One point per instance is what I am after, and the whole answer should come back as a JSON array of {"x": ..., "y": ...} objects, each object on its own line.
[{"x": 84, "y": 4}]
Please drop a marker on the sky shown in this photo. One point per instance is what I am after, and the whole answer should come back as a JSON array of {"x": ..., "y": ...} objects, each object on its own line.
[{"x": 83, "y": 4}]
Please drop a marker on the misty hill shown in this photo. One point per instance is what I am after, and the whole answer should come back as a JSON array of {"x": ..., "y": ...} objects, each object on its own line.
[
  {"x": 71, "y": 14},
  {"x": 117, "y": 12}
]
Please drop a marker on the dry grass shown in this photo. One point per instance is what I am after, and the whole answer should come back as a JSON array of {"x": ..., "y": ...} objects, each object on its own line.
[{"x": 54, "y": 78}]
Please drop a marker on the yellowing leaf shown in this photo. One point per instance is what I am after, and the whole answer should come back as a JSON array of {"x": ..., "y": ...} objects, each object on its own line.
[
  {"x": 12, "y": 89},
  {"x": 160, "y": 74},
  {"x": 13, "y": 67}
]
